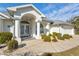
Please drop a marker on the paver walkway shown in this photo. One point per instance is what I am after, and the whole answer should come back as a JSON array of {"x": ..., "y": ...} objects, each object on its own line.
[{"x": 38, "y": 46}]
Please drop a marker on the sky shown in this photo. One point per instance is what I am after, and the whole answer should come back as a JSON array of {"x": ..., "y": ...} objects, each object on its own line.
[{"x": 53, "y": 11}]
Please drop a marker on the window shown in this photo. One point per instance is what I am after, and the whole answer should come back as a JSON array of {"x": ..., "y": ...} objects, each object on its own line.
[
  {"x": 41, "y": 28},
  {"x": 36, "y": 29},
  {"x": 9, "y": 26}
]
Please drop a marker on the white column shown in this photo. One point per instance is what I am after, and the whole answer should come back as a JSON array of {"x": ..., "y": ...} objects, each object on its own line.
[
  {"x": 73, "y": 31},
  {"x": 33, "y": 29},
  {"x": 17, "y": 30},
  {"x": 13, "y": 30},
  {"x": 48, "y": 28},
  {"x": 38, "y": 29}
]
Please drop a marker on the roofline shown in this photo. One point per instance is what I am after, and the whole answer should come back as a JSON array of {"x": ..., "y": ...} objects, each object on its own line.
[
  {"x": 38, "y": 11},
  {"x": 27, "y": 5},
  {"x": 63, "y": 24},
  {"x": 3, "y": 15}
]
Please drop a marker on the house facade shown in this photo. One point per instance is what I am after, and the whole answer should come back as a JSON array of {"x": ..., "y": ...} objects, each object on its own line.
[{"x": 28, "y": 21}]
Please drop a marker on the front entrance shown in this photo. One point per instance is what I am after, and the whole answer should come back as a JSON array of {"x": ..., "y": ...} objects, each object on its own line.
[{"x": 25, "y": 30}]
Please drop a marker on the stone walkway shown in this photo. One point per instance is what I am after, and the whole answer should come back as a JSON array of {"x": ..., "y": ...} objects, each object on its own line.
[
  {"x": 53, "y": 47},
  {"x": 37, "y": 47}
]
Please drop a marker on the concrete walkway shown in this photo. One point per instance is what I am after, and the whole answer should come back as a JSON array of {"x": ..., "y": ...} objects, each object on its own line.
[{"x": 38, "y": 47}]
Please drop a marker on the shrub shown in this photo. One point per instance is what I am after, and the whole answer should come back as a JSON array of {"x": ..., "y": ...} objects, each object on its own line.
[
  {"x": 70, "y": 36},
  {"x": 5, "y": 37},
  {"x": 62, "y": 38},
  {"x": 43, "y": 36},
  {"x": 54, "y": 33},
  {"x": 2, "y": 40},
  {"x": 59, "y": 35},
  {"x": 66, "y": 36},
  {"x": 46, "y": 38},
  {"x": 12, "y": 44},
  {"x": 55, "y": 40},
  {"x": 50, "y": 35},
  {"x": 53, "y": 36}
]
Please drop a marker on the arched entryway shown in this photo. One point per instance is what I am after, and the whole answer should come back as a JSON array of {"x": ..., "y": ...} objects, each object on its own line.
[{"x": 27, "y": 25}]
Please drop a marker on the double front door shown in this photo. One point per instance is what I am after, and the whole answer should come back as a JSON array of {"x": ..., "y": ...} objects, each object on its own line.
[{"x": 25, "y": 30}]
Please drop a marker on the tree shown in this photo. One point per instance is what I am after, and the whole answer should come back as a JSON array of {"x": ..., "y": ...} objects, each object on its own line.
[{"x": 75, "y": 22}]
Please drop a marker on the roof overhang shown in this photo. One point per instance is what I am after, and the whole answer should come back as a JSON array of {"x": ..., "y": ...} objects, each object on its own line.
[
  {"x": 4, "y": 16},
  {"x": 23, "y": 6}
]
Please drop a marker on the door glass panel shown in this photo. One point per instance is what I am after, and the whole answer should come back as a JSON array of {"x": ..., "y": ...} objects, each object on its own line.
[
  {"x": 27, "y": 29},
  {"x": 22, "y": 29}
]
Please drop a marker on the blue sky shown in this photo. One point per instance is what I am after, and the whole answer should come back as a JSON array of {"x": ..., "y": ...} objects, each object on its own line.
[{"x": 54, "y": 11}]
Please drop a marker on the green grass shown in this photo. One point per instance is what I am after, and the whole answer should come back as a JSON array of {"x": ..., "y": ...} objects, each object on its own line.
[{"x": 71, "y": 52}]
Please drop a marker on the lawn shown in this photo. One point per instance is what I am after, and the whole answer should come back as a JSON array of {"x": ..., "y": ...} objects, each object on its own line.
[{"x": 71, "y": 52}]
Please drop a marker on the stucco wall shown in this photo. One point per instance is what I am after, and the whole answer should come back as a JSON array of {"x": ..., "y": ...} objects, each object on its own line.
[
  {"x": 1, "y": 25},
  {"x": 67, "y": 30},
  {"x": 20, "y": 12},
  {"x": 54, "y": 29},
  {"x": 62, "y": 29},
  {"x": 8, "y": 26}
]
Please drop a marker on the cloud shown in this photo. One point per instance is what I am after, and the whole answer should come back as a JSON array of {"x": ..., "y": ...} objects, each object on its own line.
[{"x": 64, "y": 13}]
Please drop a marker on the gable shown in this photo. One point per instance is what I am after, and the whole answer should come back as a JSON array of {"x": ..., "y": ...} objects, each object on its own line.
[{"x": 25, "y": 8}]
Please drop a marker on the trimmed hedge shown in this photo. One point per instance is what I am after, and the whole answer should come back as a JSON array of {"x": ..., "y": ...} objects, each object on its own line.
[
  {"x": 12, "y": 44},
  {"x": 5, "y": 37}
]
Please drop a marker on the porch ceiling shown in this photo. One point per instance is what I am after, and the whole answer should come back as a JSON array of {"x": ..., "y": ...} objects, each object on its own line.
[{"x": 28, "y": 16}]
